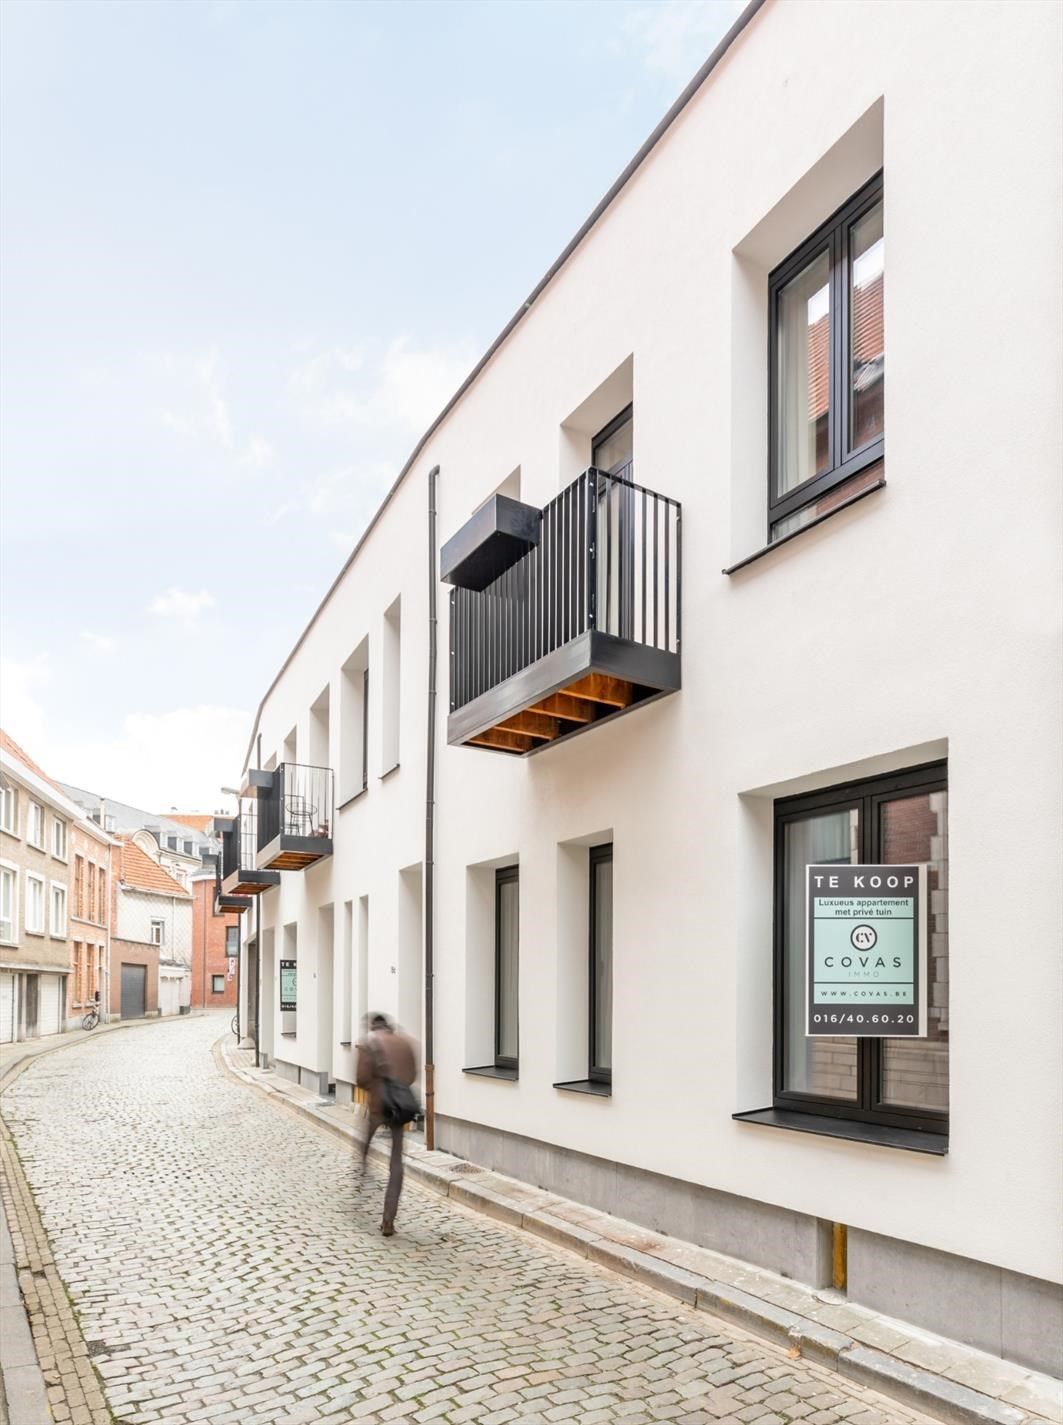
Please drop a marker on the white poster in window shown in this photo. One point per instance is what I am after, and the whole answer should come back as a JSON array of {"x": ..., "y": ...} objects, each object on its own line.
[{"x": 866, "y": 957}]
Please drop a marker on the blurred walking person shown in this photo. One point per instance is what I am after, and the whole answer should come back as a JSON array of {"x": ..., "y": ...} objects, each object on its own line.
[{"x": 387, "y": 1069}]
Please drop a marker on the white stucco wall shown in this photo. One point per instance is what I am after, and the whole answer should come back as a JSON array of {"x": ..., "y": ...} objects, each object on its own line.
[
  {"x": 137, "y": 909},
  {"x": 945, "y": 584}
]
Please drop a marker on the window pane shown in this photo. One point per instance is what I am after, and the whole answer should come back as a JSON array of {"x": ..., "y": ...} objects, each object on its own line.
[
  {"x": 803, "y": 377},
  {"x": 867, "y": 357},
  {"x": 602, "y": 950},
  {"x": 821, "y": 1066},
  {"x": 915, "y": 1072},
  {"x": 615, "y": 452},
  {"x": 830, "y": 501},
  {"x": 508, "y": 962}
]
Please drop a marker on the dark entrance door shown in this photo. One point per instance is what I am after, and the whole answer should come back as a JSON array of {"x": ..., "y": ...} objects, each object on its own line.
[
  {"x": 134, "y": 991},
  {"x": 613, "y": 455},
  {"x": 252, "y": 990},
  {"x": 33, "y": 985}
]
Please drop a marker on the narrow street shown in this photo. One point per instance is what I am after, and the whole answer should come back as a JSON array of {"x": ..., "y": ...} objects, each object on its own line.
[{"x": 224, "y": 1268}]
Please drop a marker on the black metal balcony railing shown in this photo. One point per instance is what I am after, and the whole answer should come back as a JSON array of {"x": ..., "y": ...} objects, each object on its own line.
[
  {"x": 238, "y": 846},
  {"x": 239, "y": 875},
  {"x": 298, "y": 805},
  {"x": 608, "y": 561}
]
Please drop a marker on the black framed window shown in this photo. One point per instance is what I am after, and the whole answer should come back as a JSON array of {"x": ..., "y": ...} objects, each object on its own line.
[
  {"x": 601, "y": 965},
  {"x": 900, "y": 1083},
  {"x": 612, "y": 449},
  {"x": 217, "y": 984},
  {"x": 507, "y": 967},
  {"x": 826, "y": 365}
]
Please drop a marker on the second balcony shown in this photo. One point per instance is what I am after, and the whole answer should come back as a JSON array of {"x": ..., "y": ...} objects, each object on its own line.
[{"x": 294, "y": 811}]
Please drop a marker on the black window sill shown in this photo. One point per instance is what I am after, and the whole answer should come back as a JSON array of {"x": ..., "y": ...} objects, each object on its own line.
[
  {"x": 345, "y": 1043},
  {"x": 494, "y": 1071},
  {"x": 288, "y": 1034},
  {"x": 351, "y": 800},
  {"x": 390, "y": 772},
  {"x": 812, "y": 524},
  {"x": 911, "y": 1139},
  {"x": 591, "y": 1086}
]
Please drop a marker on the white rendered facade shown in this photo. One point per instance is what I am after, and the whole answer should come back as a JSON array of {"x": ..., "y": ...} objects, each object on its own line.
[{"x": 918, "y": 627}]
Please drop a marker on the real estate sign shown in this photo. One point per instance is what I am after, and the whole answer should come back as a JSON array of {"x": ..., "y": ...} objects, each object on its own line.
[
  {"x": 288, "y": 984},
  {"x": 866, "y": 956}
]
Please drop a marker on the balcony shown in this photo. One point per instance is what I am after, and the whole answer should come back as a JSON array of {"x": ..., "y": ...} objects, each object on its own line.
[
  {"x": 294, "y": 817},
  {"x": 240, "y": 876},
  {"x": 583, "y": 624}
]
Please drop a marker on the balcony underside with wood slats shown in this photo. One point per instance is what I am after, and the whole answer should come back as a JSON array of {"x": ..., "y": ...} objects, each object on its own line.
[
  {"x": 288, "y": 852},
  {"x": 247, "y": 881},
  {"x": 593, "y": 678}
]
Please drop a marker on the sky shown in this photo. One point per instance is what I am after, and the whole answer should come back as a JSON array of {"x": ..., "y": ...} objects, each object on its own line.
[{"x": 248, "y": 249}]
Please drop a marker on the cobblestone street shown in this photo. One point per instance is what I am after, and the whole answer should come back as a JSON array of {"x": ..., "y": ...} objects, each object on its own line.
[{"x": 224, "y": 1268}]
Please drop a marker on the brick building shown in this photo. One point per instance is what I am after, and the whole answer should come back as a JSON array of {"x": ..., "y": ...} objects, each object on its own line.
[
  {"x": 46, "y": 848},
  {"x": 91, "y": 906},
  {"x": 215, "y": 947}
]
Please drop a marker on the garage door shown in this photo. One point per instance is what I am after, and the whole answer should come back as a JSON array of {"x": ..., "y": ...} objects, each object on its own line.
[
  {"x": 134, "y": 991},
  {"x": 8, "y": 988},
  {"x": 49, "y": 1007}
]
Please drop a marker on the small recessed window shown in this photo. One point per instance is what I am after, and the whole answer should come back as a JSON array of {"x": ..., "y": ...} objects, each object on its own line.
[
  {"x": 158, "y": 932},
  {"x": 59, "y": 838},
  {"x": 217, "y": 984},
  {"x": 35, "y": 825},
  {"x": 507, "y": 966},
  {"x": 58, "y": 911},
  {"x": 601, "y": 964},
  {"x": 8, "y": 808},
  {"x": 827, "y": 366},
  {"x": 34, "y": 905},
  {"x": 8, "y": 904}
]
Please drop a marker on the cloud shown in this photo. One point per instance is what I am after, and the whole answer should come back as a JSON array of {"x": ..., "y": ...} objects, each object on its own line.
[
  {"x": 21, "y": 712},
  {"x": 258, "y": 453},
  {"x": 397, "y": 396},
  {"x": 204, "y": 412},
  {"x": 181, "y": 757},
  {"x": 104, "y": 643},
  {"x": 675, "y": 37},
  {"x": 181, "y": 605}
]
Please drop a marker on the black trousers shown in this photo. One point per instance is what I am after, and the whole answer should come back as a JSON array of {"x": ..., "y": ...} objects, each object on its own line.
[{"x": 394, "y": 1188}]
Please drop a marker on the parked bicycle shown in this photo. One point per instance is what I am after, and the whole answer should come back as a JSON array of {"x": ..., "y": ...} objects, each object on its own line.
[{"x": 93, "y": 1017}]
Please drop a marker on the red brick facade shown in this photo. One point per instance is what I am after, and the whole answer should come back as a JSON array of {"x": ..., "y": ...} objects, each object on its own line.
[{"x": 209, "y": 960}]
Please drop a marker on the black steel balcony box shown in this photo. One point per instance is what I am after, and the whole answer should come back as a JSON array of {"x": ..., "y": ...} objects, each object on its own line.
[
  {"x": 294, "y": 816},
  {"x": 240, "y": 877},
  {"x": 499, "y": 533},
  {"x": 584, "y": 626}
]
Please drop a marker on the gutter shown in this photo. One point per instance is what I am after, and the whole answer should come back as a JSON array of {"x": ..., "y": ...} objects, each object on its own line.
[{"x": 628, "y": 173}]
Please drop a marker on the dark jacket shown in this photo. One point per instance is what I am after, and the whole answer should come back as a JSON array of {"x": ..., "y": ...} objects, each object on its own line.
[{"x": 386, "y": 1052}]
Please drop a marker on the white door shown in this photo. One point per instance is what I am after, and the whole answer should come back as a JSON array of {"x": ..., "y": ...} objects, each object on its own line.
[
  {"x": 8, "y": 991},
  {"x": 168, "y": 995},
  {"x": 51, "y": 1000}
]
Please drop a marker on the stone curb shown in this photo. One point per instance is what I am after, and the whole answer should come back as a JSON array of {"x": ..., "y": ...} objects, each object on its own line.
[{"x": 910, "y": 1385}]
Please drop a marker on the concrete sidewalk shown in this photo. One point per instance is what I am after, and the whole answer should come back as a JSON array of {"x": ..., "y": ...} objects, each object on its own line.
[{"x": 941, "y": 1377}]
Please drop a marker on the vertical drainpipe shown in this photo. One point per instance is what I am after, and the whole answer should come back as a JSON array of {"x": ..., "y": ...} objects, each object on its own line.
[{"x": 429, "y": 831}]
